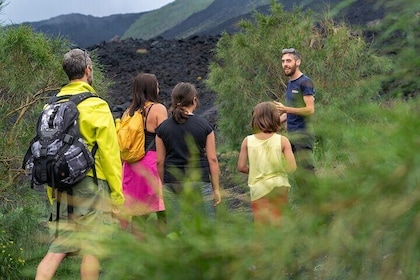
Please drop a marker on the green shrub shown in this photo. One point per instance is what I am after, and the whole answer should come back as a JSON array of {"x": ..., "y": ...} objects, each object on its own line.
[
  {"x": 11, "y": 257},
  {"x": 21, "y": 215},
  {"x": 23, "y": 93},
  {"x": 30, "y": 70},
  {"x": 247, "y": 69},
  {"x": 361, "y": 222},
  {"x": 397, "y": 36}
]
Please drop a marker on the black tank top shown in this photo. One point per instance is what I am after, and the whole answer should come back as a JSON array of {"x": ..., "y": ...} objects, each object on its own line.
[{"x": 149, "y": 137}]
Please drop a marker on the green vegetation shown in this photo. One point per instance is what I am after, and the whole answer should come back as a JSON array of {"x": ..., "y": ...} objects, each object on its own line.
[
  {"x": 30, "y": 70},
  {"x": 398, "y": 37},
  {"x": 30, "y": 67},
  {"x": 158, "y": 21},
  {"x": 342, "y": 75},
  {"x": 362, "y": 220}
]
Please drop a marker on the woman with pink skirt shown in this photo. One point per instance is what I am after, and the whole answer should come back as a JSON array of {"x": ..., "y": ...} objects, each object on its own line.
[{"x": 142, "y": 186}]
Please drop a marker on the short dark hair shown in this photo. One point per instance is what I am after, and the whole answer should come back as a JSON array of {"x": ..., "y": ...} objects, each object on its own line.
[
  {"x": 75, "y": 63},
  {"x": 291, "y": 51}
]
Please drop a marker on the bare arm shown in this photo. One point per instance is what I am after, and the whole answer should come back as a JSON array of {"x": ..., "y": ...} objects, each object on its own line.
[
  {"x": 158, "y": 114},
  {"x": 214, "y": 166},
  {"x": 160, "y": 156},
  {"x": 243, "y": 158},
  {"x": 308, "y": 110},
  {"x": 161, "y": 114},
  {"x": 288, "y": 154}
]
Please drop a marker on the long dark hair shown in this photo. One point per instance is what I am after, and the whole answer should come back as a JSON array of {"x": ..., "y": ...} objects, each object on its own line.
[
  {"x": 183, "y": 95},
  {"x": 145, "y": 88}
]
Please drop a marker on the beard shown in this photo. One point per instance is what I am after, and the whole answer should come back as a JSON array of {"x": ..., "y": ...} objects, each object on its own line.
[{"x": 290, "y": 71}]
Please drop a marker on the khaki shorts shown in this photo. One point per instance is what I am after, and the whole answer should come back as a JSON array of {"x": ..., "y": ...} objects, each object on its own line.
[{"x": 91, "y": 223}]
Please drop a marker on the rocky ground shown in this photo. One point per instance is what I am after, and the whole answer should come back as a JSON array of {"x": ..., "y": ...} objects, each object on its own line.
[{"x": 171, "y": 60}]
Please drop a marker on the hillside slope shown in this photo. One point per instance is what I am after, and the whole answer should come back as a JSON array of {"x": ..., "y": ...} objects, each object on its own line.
[
  {"x": 218, "y": 17},
  {"x": 84, "y": 30},
  {"x": 155, "y": 22},
  {"x": 183, "y": 18},
  {"x": 218, "y": 12}
]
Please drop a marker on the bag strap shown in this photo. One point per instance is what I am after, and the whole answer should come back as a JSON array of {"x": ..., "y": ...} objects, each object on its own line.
[
  {"x": 94, "y": 149},
  {"x": 145, "y": 127},
  {"x": 150, "y": 146},
  {"x": 76, "y": 99},
  {"x": 149, "y": 107},
  {"x": 70, "y": 207},
  {"x": 57, "y": 217}
]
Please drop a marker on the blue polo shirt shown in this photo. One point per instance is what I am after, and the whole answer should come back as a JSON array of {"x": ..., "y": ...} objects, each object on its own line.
[{"x": 295, "y": 91}]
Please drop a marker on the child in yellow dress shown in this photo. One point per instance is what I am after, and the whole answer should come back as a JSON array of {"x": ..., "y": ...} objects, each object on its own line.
[{"x": 267, "y": 158}]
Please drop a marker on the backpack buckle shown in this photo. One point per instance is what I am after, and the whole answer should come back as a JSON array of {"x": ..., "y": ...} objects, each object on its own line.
[{"x": 68, "y": 139}]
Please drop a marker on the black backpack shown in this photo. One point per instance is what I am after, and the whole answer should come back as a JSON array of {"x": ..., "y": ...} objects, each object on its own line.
[{"x": 57, "y": 155}]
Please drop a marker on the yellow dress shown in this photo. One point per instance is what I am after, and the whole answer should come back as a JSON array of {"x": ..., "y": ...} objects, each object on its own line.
[{"x": 266, "y": 166}]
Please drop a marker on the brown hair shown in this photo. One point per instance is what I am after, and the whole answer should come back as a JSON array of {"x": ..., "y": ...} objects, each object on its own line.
[
  {"x": 183, "y": 95},
  {"x": 145, "y": 88},
  {"x": 265, "y": 118}
]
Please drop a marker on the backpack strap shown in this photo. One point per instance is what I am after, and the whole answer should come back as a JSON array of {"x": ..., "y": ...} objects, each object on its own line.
[
  {"x": 149, "y": 107},
  {"x": 58, "y": 202},
  {"x": 94, "y": 149},
  {"x": 70, "y": 207},
  {"x": 76, "y": 99},
  {"x": 149, "y": 146}
]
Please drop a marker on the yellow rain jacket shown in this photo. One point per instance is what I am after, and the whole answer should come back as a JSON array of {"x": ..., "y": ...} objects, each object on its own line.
[{"x": 97, "y": 126}]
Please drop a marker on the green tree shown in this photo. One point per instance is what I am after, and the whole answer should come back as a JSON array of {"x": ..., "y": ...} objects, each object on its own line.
[
  {"x": 30, "y": 70},
  {"x": 30, "y": 67},
  {"x": 398, "y": 37},
  {"x": 247, "y": 67}
]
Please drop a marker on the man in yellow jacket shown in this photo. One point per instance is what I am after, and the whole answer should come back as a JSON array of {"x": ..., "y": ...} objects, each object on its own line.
[{"x": 91, "y": 222}]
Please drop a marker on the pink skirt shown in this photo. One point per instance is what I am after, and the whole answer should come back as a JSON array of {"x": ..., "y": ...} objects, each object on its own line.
[{"x": 142, "y": 186}]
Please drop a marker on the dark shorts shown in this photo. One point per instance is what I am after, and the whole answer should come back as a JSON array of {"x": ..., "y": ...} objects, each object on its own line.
[{"x": 302, "y": 147}]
